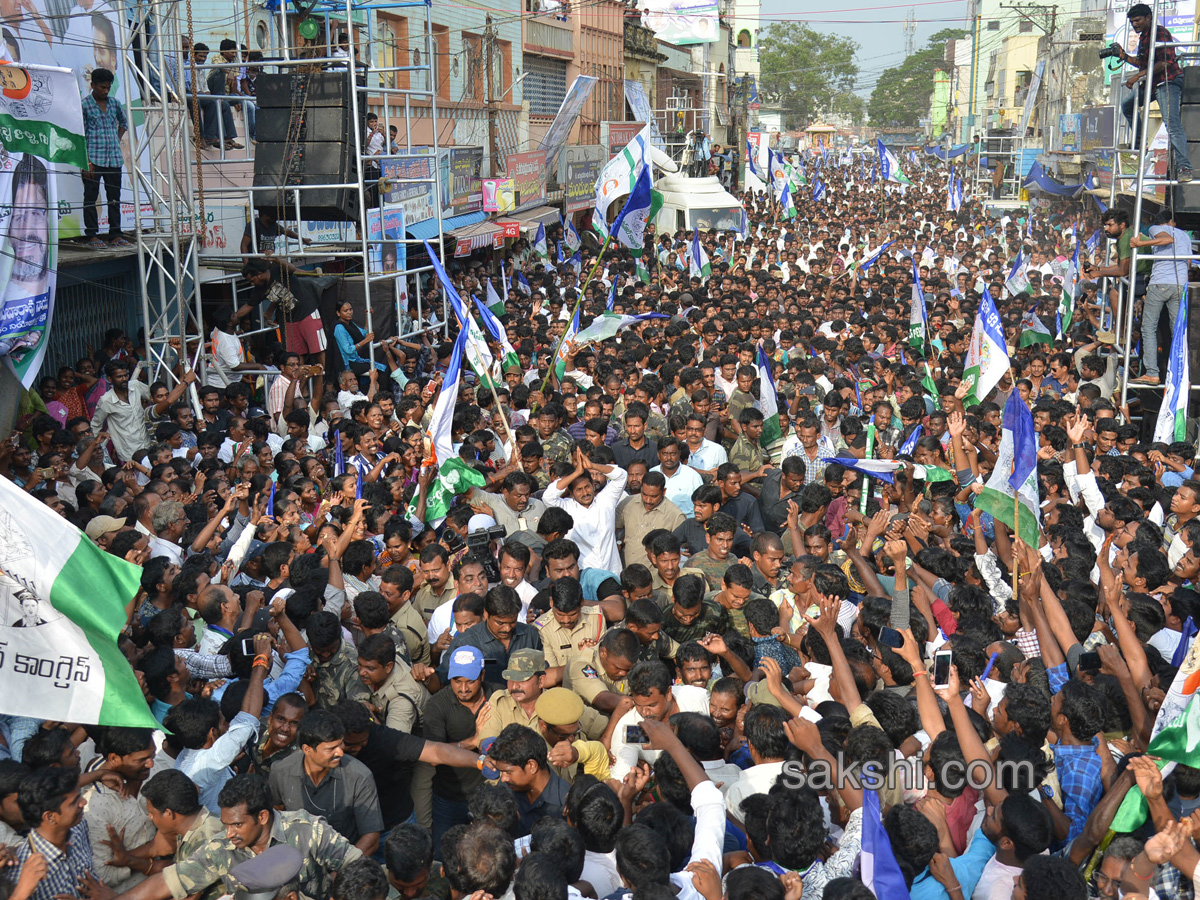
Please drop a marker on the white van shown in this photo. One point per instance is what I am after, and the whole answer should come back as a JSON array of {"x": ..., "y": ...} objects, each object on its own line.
[{"x": 690, "y": 203}]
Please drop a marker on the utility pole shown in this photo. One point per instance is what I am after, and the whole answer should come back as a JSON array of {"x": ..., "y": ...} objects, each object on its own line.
[{"x": 489, "y": 37}]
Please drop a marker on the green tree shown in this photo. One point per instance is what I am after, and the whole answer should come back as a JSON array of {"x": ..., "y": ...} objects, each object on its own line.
[
  {"x": 901, "y": 96},
  {"x": 806, "y": 70},
  {"x": 850, "y": 106}
]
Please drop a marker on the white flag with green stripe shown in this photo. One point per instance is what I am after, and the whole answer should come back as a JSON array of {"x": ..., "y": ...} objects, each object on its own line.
[
  {"x": 63, "y": 604},
  {"x": 698, "y": 263},
  {"x": 1172, "y": 415},
  {"x": 618, "y": 176},
  {"x": 768, "y": 401}
]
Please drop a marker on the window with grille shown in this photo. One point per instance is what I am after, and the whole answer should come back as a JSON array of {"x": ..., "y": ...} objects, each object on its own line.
[
  {"x": 474, "y": 74},
  {"x": 545, "y": 84},
  {"x": 386, "y": 54},
  {"x": 1025, "y": 27},
  {"x": 993, "y": 25}
]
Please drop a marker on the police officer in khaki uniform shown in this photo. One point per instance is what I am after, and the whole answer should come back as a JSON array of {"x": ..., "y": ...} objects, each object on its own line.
[
  {"x": 569, "y": 629},
  {"x": 561, "y": 715},
  {"x": 526, "y": 677},
  {"x": 600, "y": 677}
]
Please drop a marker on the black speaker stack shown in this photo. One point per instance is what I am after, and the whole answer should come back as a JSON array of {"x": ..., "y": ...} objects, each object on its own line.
[{"x": 305, "y": 139}]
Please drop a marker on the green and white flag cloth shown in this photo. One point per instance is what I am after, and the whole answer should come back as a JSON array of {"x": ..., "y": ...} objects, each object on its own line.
[
  {"x": 1034, "y": 331},
  {"x": 495, "y": 302},
  {"x": 768, "y": 401},
  {"x": 1172, "y": 415},
  {"x": 608, "y": 324},
  {"x": 63, "y": 604},
  {"x": 454, "y": 476},
  {"x": 698, "y": 264},
  {"x": 619, "y": 175},
  {"x": 916, "y": 316},
  {"x": 499, "y": 335},
  {"x": 987, "y": 356},
  {"x": 1011, "y": 494}
]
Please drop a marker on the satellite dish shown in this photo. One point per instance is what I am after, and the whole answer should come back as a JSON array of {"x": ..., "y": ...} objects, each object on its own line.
[{"x": 663, "y": 161}]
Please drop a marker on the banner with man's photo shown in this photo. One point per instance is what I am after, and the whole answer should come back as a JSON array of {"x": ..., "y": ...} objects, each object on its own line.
[{"x": 41, "y": 139}]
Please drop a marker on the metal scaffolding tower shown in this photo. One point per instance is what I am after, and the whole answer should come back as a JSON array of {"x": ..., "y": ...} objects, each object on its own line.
[
  {"x": 176, "y": 179},
  {"x": 1123, "y": 317},
  {"x": 163, "y": 195}
]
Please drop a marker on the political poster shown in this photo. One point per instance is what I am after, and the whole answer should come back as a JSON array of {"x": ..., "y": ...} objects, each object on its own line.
[
  {"x": 41, "y": 131},
  {"x": 683, "y": 21}
]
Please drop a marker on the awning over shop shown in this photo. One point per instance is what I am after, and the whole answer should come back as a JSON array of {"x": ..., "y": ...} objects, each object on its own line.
[
  {"x": 1037, "y": 179},
  {"x": 423, "y": 231},
  {"x": 475, "y": 237},
  {"x": 530, "y": 219}
]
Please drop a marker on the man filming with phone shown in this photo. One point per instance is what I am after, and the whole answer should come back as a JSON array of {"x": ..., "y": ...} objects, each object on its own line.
[
  {"x": 654, "y": 697},
  {"x": 1167, "y": 84}
]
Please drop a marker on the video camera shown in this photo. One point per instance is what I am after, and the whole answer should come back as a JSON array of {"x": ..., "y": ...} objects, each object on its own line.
[{"x": 478, "y": 543}]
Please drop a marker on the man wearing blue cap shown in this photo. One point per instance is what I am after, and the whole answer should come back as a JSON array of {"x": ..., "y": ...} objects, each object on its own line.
[{"x": 452, "y": 716}]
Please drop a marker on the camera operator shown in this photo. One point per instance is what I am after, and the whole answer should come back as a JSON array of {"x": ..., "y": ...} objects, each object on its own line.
[{"x": 1167, "y": 84}]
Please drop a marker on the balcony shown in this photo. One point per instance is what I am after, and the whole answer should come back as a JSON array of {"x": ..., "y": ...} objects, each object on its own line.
[
  {"x": 641, "y": 42},
  {"x": 549, "y": 37}
]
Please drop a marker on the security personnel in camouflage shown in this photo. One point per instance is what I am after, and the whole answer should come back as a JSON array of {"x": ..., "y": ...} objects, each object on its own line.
[
  {"x": 336, "y": 662},
  {"x": 252, "y": 827}
]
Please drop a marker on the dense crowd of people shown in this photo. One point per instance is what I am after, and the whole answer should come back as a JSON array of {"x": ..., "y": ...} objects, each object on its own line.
[{"x": 658, "y": 647}]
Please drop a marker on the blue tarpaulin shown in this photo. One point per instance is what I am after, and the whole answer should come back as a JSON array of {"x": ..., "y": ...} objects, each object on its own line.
[
  {"x": 952, "y": 153},
  {"x": 1037, "y": 179}
]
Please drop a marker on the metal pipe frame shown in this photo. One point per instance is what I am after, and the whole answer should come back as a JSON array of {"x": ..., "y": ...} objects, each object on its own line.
[
  {"x": 166, "y": 231},
  {"x": 284, "y": 59},
  {"x": 1142, "y": 146}
]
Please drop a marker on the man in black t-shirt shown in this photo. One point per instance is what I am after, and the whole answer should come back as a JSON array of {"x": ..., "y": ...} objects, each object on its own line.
[
  {"x": 267, "y": 230},
  {"x": 391, "y": 756}
]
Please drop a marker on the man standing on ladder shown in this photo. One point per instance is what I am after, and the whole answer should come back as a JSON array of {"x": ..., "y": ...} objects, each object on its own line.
[{"x": 1167, "y": 84}]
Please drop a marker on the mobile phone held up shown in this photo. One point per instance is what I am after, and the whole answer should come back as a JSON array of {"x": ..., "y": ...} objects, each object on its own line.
[{"x": 941, "y": 668}]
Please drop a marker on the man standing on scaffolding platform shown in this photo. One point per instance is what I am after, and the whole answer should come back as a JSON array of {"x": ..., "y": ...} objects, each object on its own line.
[{"x": 1167, "y": 83}]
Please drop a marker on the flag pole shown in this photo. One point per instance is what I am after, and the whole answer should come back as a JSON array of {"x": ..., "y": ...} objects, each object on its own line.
[{"x": 575, "y": 311}]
